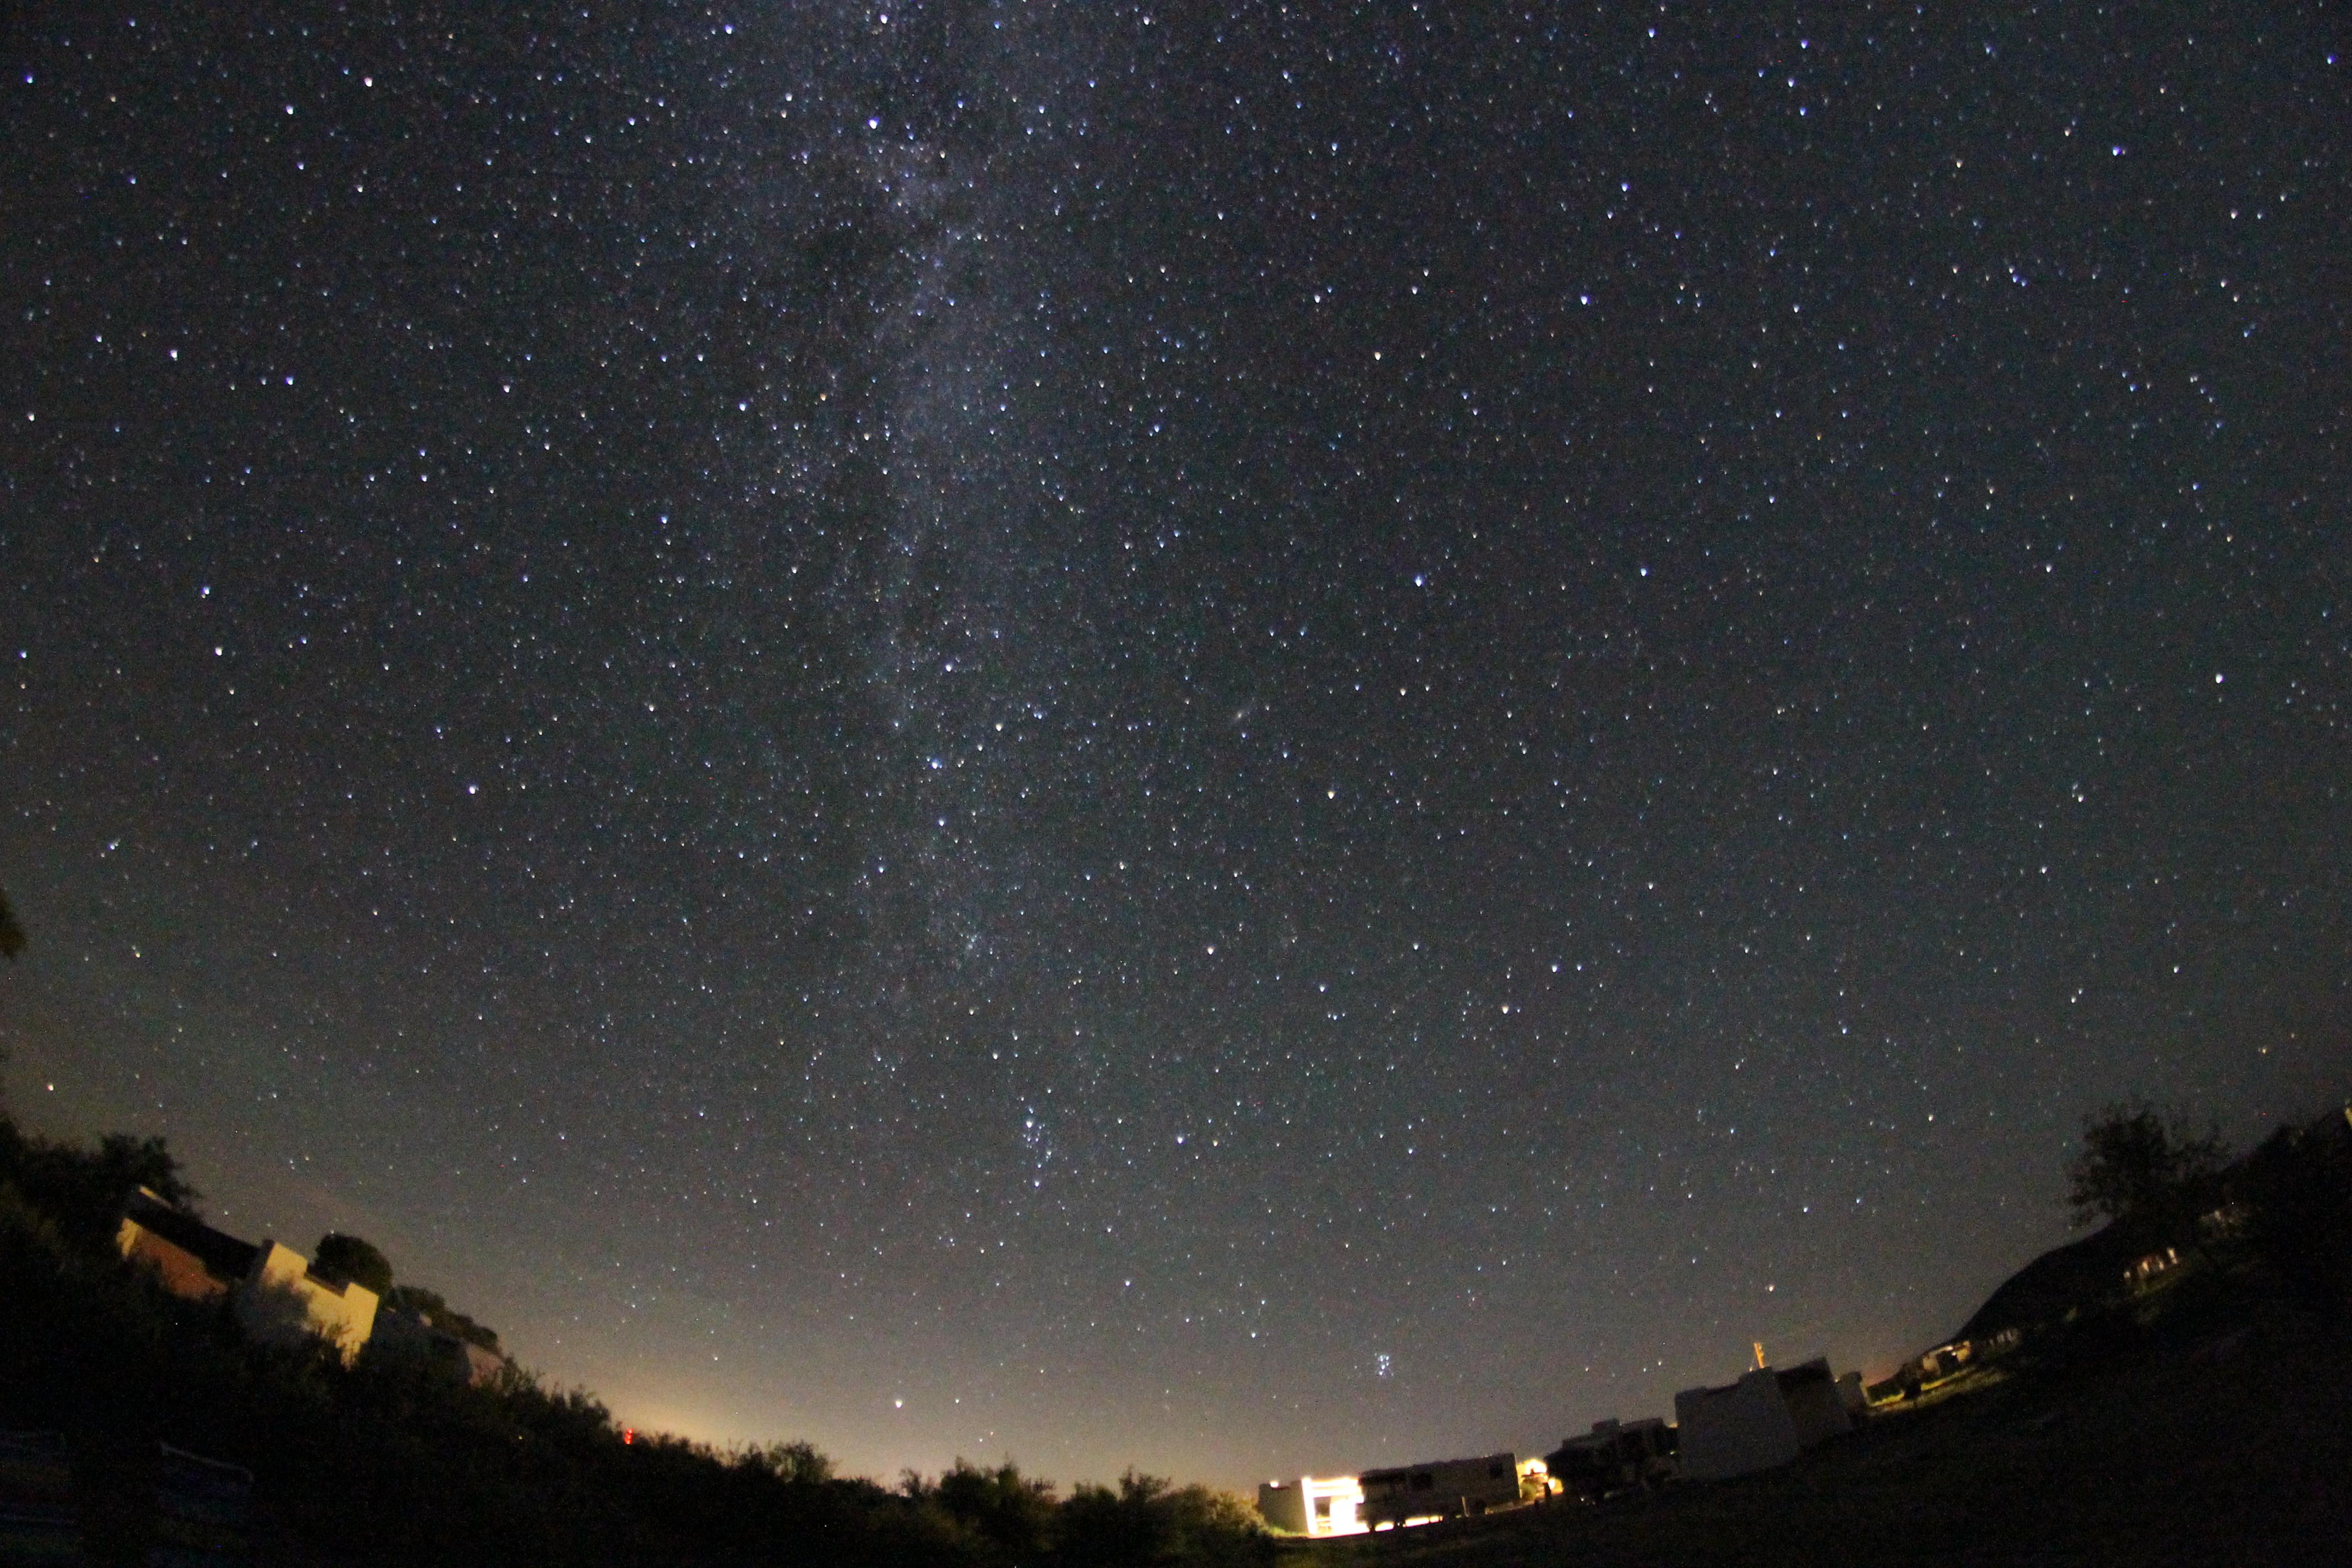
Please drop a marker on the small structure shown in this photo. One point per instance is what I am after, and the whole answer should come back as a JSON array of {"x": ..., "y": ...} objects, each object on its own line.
[
  {"x": 410, "y": 1337},
  {"x": 1735, "y": 1429},
  {"x": 1766, "y": 1419},
  {"x": 1328, "y": 1505},
  {"x": 1443, "y": 1489},
  {"x": 277, "y": 1295},
  {"x": 1617, "y": 1456},
  {"x": 1945, "y": 1361},
  {"x": 1810, "y": 1393},
  {"x": 187, "y": 1257},
  {"x": 285, "y": 1300}
]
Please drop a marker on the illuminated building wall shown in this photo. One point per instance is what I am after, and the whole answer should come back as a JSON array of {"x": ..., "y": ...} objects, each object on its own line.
[{"x": 1330, "y": 1505}]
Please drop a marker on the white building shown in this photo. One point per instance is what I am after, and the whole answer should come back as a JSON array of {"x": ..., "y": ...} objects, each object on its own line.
[
  {"x": 1328, "y": 1505},
  {"x": 1766, "y": 1419},
  {"x": 284, "y": 1299},
  {"x": 276, "y": 1296}
]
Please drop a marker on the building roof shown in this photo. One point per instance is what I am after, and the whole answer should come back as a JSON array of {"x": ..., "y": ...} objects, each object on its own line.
[
  {"x": 1507, "y": 1461},
  {"x": 222, "y": 1256}
]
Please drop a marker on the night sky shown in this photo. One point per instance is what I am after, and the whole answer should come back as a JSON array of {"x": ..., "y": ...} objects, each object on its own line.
[{"x": 1245, "y": 741}]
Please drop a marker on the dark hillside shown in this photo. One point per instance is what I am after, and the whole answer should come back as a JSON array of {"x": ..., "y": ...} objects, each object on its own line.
[
  {"x": 2059, "y": 1278},
  {"x": 2285, "y": 1208}
]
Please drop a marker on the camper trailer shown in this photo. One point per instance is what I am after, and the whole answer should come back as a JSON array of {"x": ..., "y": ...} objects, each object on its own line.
[
  {"x": 1617, "y": 1456},
  {"x": 1446, "y": 1489}
]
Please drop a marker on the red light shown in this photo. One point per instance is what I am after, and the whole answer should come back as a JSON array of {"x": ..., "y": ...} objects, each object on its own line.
[{"x": 629, "y": 1433}]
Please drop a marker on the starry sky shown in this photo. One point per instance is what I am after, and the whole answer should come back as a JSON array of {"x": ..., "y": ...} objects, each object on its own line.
[{"x": 1247, "y": 739}]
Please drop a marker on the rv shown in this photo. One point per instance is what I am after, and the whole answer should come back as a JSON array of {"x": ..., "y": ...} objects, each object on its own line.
[
  {"x": 1446, "y": 1489},
  {"x": 1617, "y": 1456}
]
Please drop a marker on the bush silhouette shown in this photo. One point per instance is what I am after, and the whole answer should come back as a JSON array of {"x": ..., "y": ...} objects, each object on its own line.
[{"x": 350, "y": 1258}]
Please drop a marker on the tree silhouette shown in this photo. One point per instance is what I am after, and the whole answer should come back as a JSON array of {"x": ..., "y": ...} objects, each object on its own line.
[
  {"x": 352, "y": 1258},
  {"x": 1011, "y": 1510},
  {"x": 796, "y": 1463},
  {"x": 2141, "y": 1168},
  {"x": 83, "y": 1190},
  {"x": 12, "y": 935},
  {"x": 2297, "y": 1189}
]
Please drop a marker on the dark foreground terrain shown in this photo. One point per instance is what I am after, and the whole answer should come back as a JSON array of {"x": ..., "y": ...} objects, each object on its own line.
[
  {"x": 2210, "y": 1424},
  {"x": 2205, "y": 1420}
]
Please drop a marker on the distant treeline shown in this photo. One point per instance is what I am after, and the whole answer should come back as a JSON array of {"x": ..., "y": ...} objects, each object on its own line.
[{"x": 388, "y": 1463}]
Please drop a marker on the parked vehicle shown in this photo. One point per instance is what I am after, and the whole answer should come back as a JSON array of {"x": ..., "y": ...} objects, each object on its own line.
[{"x": 1617, "y": 1456}]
